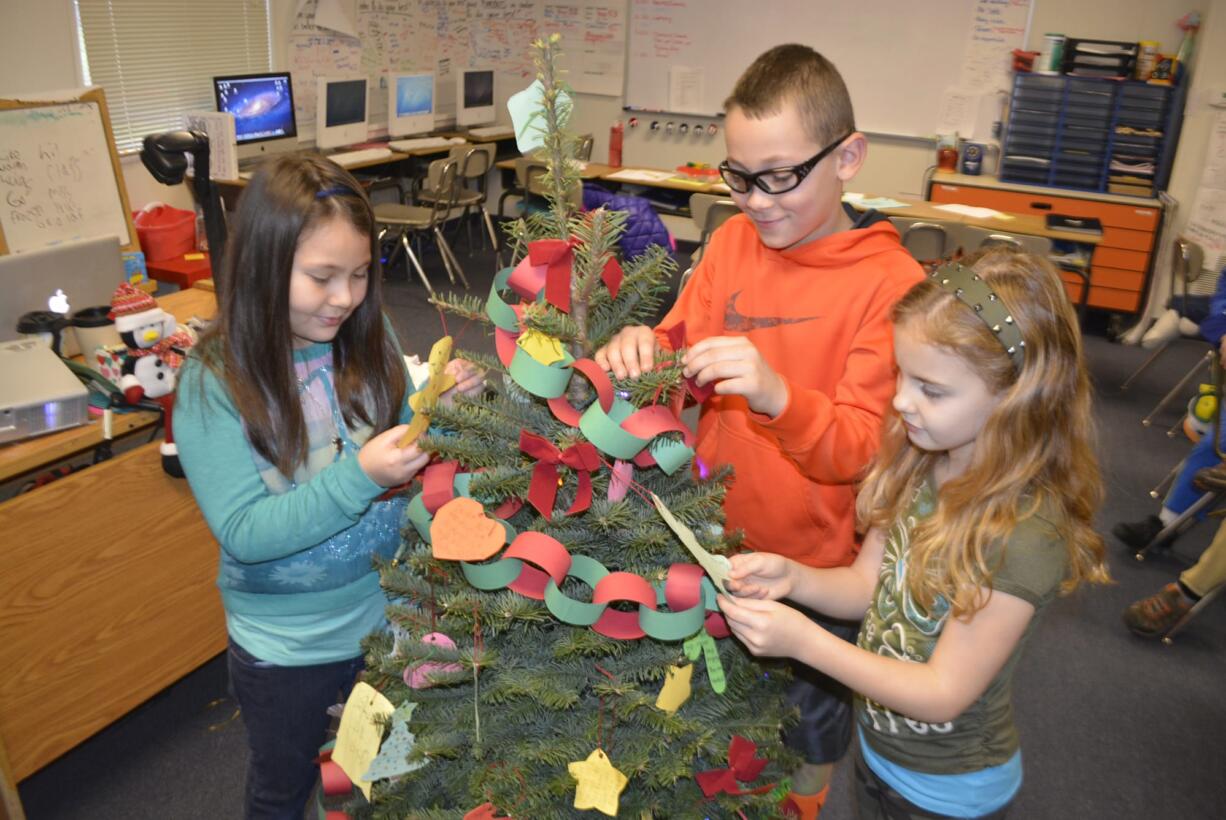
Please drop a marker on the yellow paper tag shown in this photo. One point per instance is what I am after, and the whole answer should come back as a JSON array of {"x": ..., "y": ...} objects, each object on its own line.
[
  {"x": 357, "y": 741},
  {"x": 544, "y": 348},
  {"x": 423, "y": 401},
  {"x": 599, "y": 784},
  {"x": 676, "y": 689}
]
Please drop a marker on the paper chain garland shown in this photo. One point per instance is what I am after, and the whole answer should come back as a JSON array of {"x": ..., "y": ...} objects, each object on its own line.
[{"x": 536, "y": 565}]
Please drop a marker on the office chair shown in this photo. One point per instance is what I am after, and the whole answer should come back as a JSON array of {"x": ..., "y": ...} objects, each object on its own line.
[
  {"x": 473, "y": 163},
  {"x": 708, "y": 212},
  {"x": 584, "y": 152},
  {"x": 415, "y": 220},
  {"x": 928, "y": 242},
  {"x": 973, "y": 238},
  {"x": 1187, "y": 259}
]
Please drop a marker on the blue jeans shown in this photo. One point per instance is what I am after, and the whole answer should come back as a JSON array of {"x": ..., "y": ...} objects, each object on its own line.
[
  {"x": 285, "y": 711},
  {"x": 1182, "y": 494}
]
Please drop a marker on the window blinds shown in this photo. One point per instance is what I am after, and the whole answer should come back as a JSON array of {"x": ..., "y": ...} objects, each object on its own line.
[{"x": 156, "y": 58}]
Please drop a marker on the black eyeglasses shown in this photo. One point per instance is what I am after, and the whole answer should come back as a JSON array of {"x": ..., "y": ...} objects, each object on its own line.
[{"x": 776, "y": 180}]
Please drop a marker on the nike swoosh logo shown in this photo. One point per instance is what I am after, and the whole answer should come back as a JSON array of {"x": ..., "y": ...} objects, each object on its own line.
[{"x": 735, "y": 320}]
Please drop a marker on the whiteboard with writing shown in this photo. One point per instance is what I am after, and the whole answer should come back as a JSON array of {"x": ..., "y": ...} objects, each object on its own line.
[
  {"x": 380, "y": 37},
  {"x": 57, "y": 181},
  {"x": 899, "y": 58}
]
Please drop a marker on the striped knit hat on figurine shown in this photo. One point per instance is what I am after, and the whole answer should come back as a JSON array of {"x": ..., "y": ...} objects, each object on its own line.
[{"x": 128, "y": 306}]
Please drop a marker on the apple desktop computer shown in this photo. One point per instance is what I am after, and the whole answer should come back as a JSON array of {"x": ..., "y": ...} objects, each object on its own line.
[
  {"x": 410, "y": 104},
  {"x": 340, "y": 111},
  {"x": 475, "y": 97},
  {"x": 263, "y": 109}
]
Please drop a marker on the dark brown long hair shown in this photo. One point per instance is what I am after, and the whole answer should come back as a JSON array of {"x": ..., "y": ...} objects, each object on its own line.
[{"x": 250, "y": 346}]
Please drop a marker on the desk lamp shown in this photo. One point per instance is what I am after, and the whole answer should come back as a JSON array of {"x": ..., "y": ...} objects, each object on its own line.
[{"x": 165, "y": 156}]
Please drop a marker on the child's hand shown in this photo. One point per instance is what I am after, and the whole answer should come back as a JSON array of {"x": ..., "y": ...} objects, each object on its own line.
[
  {"x": 738, "y": 369},
  {"x": 765, "y": 627},
  {"x": 388, "y": 464},
  {"x": 760, "y": 575},
  {"x": 631, "y": 352},
  {"x": 469, "y": 379}
]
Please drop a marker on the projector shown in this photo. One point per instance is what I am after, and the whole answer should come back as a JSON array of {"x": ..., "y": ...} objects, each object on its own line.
[{"x": 38, "y": 393}]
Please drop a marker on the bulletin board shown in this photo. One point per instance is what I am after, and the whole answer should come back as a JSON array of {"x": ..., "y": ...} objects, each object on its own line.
[
  {"x": 60, "y": 178},
  {"x": 899, "y": 58},
  {"x": 377, "y": 37}
]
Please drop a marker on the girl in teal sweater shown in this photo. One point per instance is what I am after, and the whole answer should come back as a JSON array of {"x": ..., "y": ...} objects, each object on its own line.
[{"x": 290, "y": 412}]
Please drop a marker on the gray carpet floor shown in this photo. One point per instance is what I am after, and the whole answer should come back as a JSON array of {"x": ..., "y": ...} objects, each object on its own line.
[{"x": 1112, "y": 726}]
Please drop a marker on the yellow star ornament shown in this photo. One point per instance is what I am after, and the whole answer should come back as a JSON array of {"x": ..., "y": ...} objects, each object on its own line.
[{"x": 599, "y": 784}]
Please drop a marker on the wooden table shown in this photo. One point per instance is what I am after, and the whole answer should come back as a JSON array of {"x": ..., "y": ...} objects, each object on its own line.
[{"x": 108, "y": 591}]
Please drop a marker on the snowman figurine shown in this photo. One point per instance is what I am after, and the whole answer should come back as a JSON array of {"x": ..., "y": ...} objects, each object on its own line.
[{"x": 154, "y": 352}]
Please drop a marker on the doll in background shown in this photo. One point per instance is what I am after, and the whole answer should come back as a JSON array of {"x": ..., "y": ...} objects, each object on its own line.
[{"x": 154, "y": 351}]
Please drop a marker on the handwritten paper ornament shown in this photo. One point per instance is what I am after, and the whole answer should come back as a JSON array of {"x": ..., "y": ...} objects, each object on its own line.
[{"x": 599, "y": 785}]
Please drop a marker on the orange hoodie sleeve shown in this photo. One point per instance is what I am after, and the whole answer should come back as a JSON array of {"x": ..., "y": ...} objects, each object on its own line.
[
  {"x": 832, "y": 437},
  {"x": 693, "y": 306}
]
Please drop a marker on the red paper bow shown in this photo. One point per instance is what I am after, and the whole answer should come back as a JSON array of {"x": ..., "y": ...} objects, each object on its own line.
[
  {"x": 582, "y": 458},
  {"x": 557, "y": 255},
  {"x": 742, "y": 766},
  {"x": 676, "y": 338}
]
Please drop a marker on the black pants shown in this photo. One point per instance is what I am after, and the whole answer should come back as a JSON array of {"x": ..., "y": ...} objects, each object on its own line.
[
  {"x": 823, "y": 734},
  {"x": 876, "y": 800},
  {"x": 285, "y": 711}
]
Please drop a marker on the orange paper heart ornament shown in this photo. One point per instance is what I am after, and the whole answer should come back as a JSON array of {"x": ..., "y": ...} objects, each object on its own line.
[{"x": 461, "y": 531}]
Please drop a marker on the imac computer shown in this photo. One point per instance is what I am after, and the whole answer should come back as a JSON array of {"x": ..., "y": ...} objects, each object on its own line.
[
  {"x": 410, "y": 104},
  {"x": 340, "y": 111},
  {"x": 475, "y": 97},
  {"x": 263, "y": 109}
]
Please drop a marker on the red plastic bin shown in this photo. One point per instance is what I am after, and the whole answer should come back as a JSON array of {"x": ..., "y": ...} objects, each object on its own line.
[{"x": 165, "y": 232}]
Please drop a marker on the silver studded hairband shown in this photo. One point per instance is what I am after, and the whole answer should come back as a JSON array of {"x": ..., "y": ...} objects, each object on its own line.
[{"x": 973, "y": 292}]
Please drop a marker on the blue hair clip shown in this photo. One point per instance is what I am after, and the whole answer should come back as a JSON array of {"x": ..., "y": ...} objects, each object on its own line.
[{"x": 335, "y": 190}]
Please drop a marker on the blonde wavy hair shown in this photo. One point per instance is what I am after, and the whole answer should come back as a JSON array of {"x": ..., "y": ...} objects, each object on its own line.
[{"x": 1036, "y": 450}]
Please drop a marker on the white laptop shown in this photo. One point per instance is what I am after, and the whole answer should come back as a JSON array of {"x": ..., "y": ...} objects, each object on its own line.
[{"x": 62, "y": 278}]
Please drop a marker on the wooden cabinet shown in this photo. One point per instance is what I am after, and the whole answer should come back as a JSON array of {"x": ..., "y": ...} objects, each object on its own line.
[{"x": 1121, "y": 263}]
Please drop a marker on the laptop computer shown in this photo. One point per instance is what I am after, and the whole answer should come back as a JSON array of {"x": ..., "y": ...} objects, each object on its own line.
[{"x": 62, "y": 278}]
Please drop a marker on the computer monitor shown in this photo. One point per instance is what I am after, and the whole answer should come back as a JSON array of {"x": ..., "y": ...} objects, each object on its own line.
[
  {"x": 263, "y": 109},
  {"x": 475, "y": 97},
  {"x": 410, "y": 104},
  {"x": 340, "y": 111}
]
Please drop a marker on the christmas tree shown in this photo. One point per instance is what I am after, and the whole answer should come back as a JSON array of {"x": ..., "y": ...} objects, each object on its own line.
[{"x": 554, "y": 649}]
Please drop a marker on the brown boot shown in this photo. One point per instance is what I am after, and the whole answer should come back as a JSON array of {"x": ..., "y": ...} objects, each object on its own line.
[{"x": 1210, "y": 479}]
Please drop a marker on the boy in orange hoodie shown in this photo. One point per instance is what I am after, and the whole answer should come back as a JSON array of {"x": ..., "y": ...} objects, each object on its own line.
[{"x": 787, "y": 315}]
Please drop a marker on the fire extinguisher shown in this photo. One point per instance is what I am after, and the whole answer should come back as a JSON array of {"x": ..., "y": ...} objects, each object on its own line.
[{"x": 615, "y": 143}]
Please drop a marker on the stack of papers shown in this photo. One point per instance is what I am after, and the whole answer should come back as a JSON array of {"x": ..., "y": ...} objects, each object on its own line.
[
  {"x": 874, "y": 203},
  {"x": 640, "y": 175},
  {"x": 972, "y": 211}
]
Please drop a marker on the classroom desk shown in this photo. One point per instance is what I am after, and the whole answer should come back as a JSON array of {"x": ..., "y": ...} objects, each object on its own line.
[
  {"x": 1025, "y": 224},
  {"x": 108, "y": 597},
  {"x": 589, "y": 171}
]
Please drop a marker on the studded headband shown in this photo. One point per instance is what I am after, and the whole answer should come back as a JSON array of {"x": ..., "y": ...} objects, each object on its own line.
[{"x": 973, "y": 292}]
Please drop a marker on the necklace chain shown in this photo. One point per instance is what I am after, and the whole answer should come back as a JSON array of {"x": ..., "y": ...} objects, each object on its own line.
[{"x": 331, "y": 411}]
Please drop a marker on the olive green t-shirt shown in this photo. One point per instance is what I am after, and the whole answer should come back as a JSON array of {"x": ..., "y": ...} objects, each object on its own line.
[{"x": 1030, "y": 565}]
